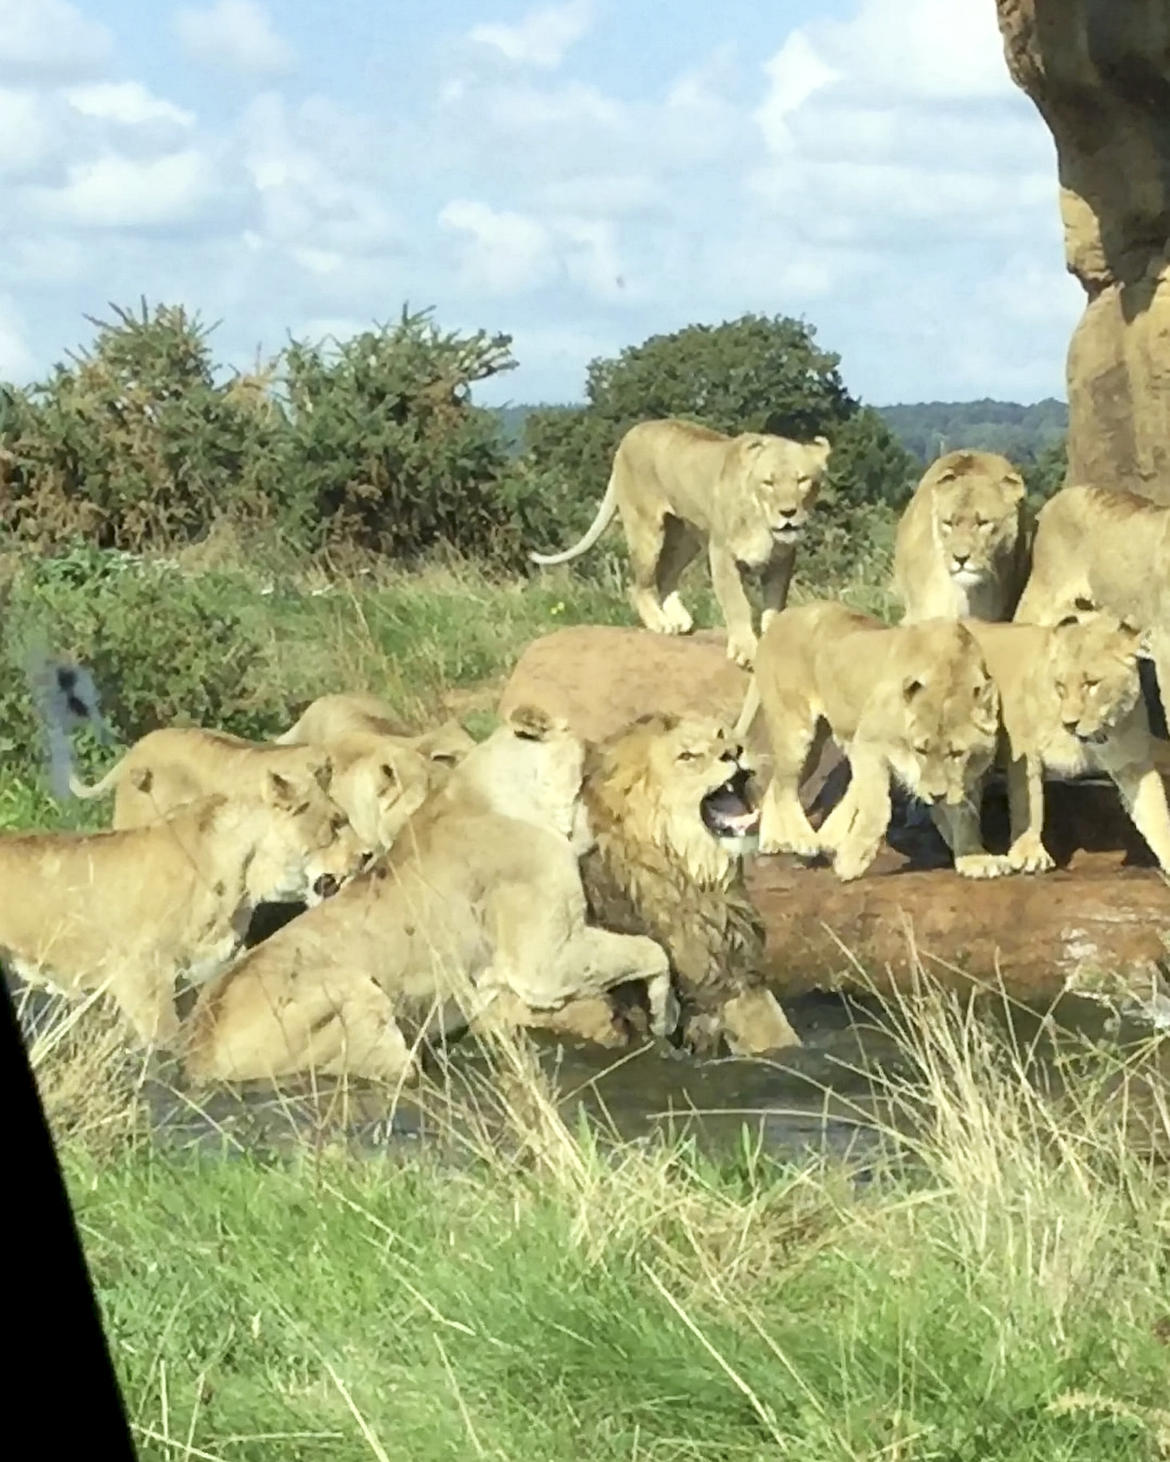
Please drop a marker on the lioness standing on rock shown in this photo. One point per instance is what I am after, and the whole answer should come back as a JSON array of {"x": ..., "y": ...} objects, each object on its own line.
[
  {"x": 1099, "y": 548},
  {"x": 915, "y": 702},
  {"x": 676, "y": 486},
  {"x": 961, "y": 550},
  {"x": 1071, "y": 702}
]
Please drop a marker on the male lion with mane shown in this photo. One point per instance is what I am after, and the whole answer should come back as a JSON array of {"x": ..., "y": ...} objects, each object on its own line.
[
  {"x": 961, "y": 549},
  {"x": 676, "y": 486},
  {"x": 913, "y": 702},
  {"x": 479, "y": 901},
  {"x": 129, "y": 911},
  {"x": 669, "y": 803}
]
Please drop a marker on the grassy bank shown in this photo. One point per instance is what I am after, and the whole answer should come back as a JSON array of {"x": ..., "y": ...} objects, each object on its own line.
[
  {"x": 1003, "y": 1297},
  {"x": 1000, "y": 1292}
]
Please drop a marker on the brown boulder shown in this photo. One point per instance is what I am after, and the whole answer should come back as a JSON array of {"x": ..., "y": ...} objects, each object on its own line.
[
  {"x": 602, "y": 677},
  {"x": 1099, "y": 74}
]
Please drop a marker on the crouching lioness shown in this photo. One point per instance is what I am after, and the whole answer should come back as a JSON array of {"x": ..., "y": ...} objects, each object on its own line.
[
  {"x": 915, "y": 702},
  {"x": 375, "y": 786},
  {"x": 129, "y": 911},
  {"x": 479, "y": 900}
]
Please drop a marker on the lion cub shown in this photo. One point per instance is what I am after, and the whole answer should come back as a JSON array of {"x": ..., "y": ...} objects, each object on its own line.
[
  {"x": 1072, "y": 703},
  {"x": 961, "y": 548},
  {"x": 914, "y": 701}
]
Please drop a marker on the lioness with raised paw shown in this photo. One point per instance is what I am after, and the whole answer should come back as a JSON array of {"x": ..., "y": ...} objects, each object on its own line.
[
  {"x": 1071, "y": 703},
  {"x": 479, "y": 901},
  {"x": 915, "y": 702},
  {"x": 961, "y": 549},
  {"x": 678, "y": 486},
  {"x": 1099, "y": 548},
  {"x": 130, "y": 911}
]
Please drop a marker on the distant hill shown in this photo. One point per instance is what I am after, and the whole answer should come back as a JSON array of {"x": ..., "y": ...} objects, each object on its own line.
[{"x": 926, "y": 428}]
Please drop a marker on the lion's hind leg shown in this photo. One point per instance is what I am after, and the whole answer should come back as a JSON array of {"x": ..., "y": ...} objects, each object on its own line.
[{"x": 680, "y": 545}]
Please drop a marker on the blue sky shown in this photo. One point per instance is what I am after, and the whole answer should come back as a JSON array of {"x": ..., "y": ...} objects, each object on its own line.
[{"x": 579, "y": 174}]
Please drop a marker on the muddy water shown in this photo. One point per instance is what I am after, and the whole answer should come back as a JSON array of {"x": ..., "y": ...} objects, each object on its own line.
[{"x": 829, "y": 1096}]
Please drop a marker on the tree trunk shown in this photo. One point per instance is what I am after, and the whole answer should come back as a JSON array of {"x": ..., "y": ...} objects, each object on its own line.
[{"x": 1099, "y": 73}]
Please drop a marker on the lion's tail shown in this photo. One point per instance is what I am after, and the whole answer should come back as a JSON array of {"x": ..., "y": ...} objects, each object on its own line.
[
  {"x": 600, "y": 523},
  {"x": 88, "y": 792},
  {"x": 749, "y": 710}
]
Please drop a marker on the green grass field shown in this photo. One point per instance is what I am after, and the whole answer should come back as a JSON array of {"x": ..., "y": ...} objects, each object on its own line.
[{"x": 1000, "y": 1291}]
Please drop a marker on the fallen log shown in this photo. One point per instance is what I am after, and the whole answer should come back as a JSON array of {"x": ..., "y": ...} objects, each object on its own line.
[{"x": 1098, "y": 924}]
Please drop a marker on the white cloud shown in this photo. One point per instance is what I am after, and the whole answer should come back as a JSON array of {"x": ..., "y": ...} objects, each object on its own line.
[
  {"x": 506, "y": 252},
  {"x": 127, "y": 103},
  {"x": 50, "y": 40},
  {"x": 236, "y": 34},
  {"x": 114, "y": 191},
  {"x": 541, "y": 38},
  {"x": 16, "y": 359}
]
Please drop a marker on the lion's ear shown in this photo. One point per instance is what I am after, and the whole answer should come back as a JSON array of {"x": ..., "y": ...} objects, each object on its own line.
[
  {"x": 948, "y": 474},
  {"x": 1015, "y": 487},
  {"x": 529, "y": 723},
  {"x": 911, "y": 687},
  {"x": 823, "y": 447},
  {"x": 1069, "y": 619},
  {"x": 281, "y": 792},
  {"x": 389, "y": 775},
  {"x": 323, "y": 774}
]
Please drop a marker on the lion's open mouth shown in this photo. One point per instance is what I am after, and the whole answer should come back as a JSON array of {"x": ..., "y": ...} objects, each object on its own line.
[
  {"x": 1093, "y": 738},
  {"x": 786, "y": 532},
  {"x": 727, "y": 812}
]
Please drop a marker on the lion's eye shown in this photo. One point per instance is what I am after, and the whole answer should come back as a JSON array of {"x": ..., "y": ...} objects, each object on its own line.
[
  {"x": 982, "y": 522},
  {"x": 923, "y": 750},
  {"x": 339, "y": 822},
  {"x": 687, "y": 755},
  {"x": 1092, "y": 684},
  {"x": 956, "y": 753},
  {"x": 947, "y": 523},
  {"x": 1060, "y": 687}
]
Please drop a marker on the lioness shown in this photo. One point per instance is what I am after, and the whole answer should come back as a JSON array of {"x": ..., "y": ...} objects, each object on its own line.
[
  {"x": 915, "y": 701},
  {"x": 375, "y": 786},
  {"x": 331, "y": 717},
  {"x": 676, "y": 485},
  {"x": 130, "y": 910},
  {"x": 961, "y": 549},
  {"x": 670, "y": 805},
  {"x": 1100, "y": 548},
  {"x": 480, "y": 898},
  {"x": 1071, "y": 703}
]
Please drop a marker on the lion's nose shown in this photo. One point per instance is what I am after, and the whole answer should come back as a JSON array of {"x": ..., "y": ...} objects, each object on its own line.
[
  {"x": 325, "y": 886},
  {"x": 961, "y": 560}
]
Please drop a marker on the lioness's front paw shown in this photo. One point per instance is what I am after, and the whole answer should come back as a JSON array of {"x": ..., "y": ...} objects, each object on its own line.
[
  {"x": 742, "y": 651},
  {"x": 677, "y": 615},
  {"x": 665, "y": 1021},
  {"x": 982, "y": 865},
  {"x": 1029, "y": 855},
  {"x": 848, "y": 866}
]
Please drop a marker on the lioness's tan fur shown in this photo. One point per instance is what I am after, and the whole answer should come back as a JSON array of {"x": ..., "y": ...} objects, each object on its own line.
[
  {"x": 376, "y": 785},
  {"x": 678, "y": 486},
  {"x": 333, "y": 717},
  {"x": 1099, "y": 548},
  {"x": 961, "y": 549},
  {"x": 657, "y": 870},
  {"x": 480, "y": 898},
  {"x": 1071, "y": 703},
  {"x": 130, "y": 910},
  {"x": 914, "y": 701}
]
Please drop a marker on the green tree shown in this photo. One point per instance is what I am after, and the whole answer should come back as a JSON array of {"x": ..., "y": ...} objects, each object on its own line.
[{"x": 751, "y": 374}]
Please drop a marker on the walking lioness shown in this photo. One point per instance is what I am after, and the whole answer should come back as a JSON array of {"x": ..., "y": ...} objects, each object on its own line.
[
  {"x": 915, "y": 702},
  {"x": 676, "y": 486}
]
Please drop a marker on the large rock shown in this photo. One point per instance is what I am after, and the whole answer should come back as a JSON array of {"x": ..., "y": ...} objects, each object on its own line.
[
  {"x": 1099, "y": 73},
  {"x": 1101, "y": 919},
  {"x": 602, "y": 677}
]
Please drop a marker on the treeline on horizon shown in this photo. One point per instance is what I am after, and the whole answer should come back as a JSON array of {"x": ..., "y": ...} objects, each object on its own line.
[{"x": 924, "y": 428}]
